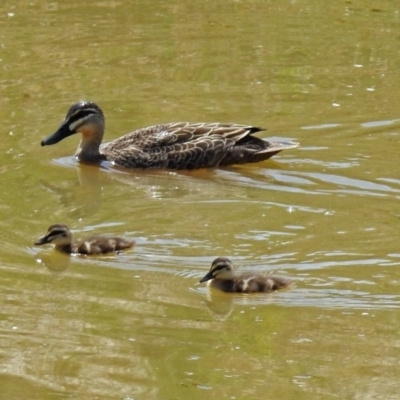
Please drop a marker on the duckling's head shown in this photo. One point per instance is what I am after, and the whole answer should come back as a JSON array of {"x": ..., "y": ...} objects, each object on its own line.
[
  {"x": 85, "y": 117},
  {"x": 57, "y": 234},
  {"x": 221, "y": 268}
]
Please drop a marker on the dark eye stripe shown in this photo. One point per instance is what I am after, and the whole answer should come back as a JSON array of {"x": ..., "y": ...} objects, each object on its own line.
[
  {"x": 220, "y": 266},
  {"x": 80, "y": 114},
  {"x": 56, "y": 233}
]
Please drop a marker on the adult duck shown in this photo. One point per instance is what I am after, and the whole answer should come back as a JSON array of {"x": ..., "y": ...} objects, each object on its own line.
[{"x": 180, "y": 145}]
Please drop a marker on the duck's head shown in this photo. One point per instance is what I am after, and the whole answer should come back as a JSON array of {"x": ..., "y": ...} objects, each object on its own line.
[
  {"x": 85, "y": 117},
  {"x": 57, "y": 234},
  {"x": 221, "y": 268}
]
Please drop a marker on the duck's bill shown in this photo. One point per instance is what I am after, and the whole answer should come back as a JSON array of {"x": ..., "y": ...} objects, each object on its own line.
[
  {"x": 206, "y": 277},
  {"x": 57, "y": 136},
  {"x": 41, "y": 241}
]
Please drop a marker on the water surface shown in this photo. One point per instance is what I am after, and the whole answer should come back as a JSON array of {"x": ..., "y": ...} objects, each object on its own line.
[{"x": 138, "y": 325}]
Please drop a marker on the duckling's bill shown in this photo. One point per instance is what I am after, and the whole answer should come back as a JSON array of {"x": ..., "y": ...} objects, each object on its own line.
[
  {"x": 41, "y": 241},
  {"x": 207, "y": 277}
]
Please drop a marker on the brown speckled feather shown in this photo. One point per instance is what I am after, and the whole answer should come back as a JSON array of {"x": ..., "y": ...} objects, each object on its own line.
[
  {"x": 181, "y": 145},
  {"x": 100, "y": 245},
  {"x": 250, "y": 283}
]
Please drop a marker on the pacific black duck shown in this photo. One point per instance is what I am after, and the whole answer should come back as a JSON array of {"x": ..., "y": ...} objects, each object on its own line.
[
  {"x": 222, "y": 276},
  {"x": 180, "y": 145}
]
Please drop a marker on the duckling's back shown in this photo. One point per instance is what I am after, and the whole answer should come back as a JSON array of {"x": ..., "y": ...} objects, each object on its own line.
[
  {"x": 250, "y": 283},
  {"x": 101, "y": 245}
]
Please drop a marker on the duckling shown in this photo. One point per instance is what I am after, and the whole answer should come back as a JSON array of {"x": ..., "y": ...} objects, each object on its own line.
[
  {"x": 180, "y": 145},
  {"x": 222, "y": 276},
  {"x": 61, "y": 236}
]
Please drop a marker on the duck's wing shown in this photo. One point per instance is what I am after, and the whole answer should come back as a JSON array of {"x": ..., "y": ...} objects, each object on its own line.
[
  {"x": 247, "y": 148},
  {"x": 186, "y": 145},
  {"x": 203, "y": 129},
  {"x": 179, "y": 132},
  {"x": 201, "y": 152}
]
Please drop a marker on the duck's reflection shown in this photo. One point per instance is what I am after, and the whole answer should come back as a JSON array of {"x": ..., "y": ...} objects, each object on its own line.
[
  {"x": 220, "y": 304},
  {"x": 54, "y": 261},
  {"x": 84, "y": 198}
]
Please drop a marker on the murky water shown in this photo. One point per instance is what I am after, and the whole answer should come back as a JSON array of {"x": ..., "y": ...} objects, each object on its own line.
[{"x": 138, "y": 325}]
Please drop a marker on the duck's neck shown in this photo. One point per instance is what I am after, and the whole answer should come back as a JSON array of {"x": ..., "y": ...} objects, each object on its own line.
[
  {"x": 89, "y": 147},
  {"x": 64, "y": 248}
]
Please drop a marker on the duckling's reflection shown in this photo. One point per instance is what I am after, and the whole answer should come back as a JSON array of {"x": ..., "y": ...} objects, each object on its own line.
[
  {"x": 220, "y": 304},
  {"x": 84, "y": 199},
  {"x": 54, "y": 261}
]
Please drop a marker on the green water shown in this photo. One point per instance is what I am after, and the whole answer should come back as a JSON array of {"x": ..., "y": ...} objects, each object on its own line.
[{"x": 138, "y": 325}]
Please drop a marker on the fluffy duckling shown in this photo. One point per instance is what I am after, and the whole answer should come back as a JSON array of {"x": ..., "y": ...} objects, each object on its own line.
[
  {"x": 61, "y": 236},
  {"x": 222, "y": 276}
]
